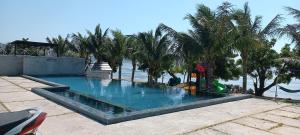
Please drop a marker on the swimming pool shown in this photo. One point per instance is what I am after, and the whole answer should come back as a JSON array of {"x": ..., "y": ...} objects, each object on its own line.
[
  {"x": 126, "y": 94},
  {"x": 111, "y": 101}
]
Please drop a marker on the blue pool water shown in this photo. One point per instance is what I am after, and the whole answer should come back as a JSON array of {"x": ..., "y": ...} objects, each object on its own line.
[{"x": 126, "y": 94}]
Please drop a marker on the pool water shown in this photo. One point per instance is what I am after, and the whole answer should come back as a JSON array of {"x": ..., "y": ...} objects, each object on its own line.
[
  {"x": 125, "y": 94},
  {"x": 107, "y": 108}
]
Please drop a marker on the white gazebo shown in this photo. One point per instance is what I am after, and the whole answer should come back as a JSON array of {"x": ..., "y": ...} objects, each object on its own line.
[{"x": 102, "y": 70}]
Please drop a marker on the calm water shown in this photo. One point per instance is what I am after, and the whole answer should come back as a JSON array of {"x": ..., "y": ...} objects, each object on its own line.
[
  {"x": 142, "y": 76},
  {"x": 108, "y": 109},
  {"x": 125, "y": 93}
]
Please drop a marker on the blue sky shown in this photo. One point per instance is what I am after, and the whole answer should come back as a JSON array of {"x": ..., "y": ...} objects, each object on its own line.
[{"x": 37, "y": 19}]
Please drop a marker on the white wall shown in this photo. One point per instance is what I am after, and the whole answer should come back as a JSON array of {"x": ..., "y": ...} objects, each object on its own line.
[
  {"x": 40, "y": 65},
  {"x": 11, "y": 65},
  {"x": 53, "y": 65}
]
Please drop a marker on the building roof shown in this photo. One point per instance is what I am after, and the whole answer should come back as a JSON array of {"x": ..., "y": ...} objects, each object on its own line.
[{"x": 32, "y": 44}]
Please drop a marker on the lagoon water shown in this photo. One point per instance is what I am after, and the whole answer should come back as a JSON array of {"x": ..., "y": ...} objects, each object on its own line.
[{"x": 142, "y": 76}]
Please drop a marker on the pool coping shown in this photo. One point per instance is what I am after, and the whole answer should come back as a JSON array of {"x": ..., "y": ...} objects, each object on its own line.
[{"x": 106, "y": 119}]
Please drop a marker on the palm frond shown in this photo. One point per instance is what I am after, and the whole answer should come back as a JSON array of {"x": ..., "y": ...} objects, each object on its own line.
[
  {"x": 273, "y": 27},
  {"x": 294, "y": 12}
]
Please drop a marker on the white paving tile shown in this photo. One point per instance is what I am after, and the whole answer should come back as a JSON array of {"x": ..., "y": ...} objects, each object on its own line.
[
  {"x": 256, "y": 123},
  {"x": 47, "y": 106},
  {"x": 278, "y": 119},
  {"x": 286, "y": 130},
  {"x": 19, "y": 96},
  {"x": 284, "y": 113},
  {"x": 237, "y": 129}
]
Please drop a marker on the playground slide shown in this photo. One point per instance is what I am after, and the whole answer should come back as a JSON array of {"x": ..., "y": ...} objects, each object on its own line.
[{"x": 220, "y": 88}]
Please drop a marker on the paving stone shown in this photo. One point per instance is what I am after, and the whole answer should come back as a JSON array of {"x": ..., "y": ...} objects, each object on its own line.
[
  {"x": 19, "y": 96},
  {"x": 29, "y": 86},
  {"x": 71, "y": 124},
  {"x": 2, "y": 108},
  {"x": 286, "y": 130},
  {"x": 47, "y": 106},
  {"x": 237, "y": 129},
  {"x": 13, "y": 88},
  {"x": 293, "y": 109},
  {"x": 23, "y": 81},
  {"x": 12, "y": 78},
  {"x": 207, "y": 131},
  {"x": 284, "y": 113},
  {"x": 2, "y": 80},
  {"x": 5, "y": 83},
  {"x": 278, "y": 119},
  {"x": 256, "y": 123},
  {"x": 172, "y": 123}
]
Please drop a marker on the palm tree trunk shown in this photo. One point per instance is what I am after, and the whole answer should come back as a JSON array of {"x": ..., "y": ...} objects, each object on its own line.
[
  {"x": 198, "y": 81},
  {"x": 244, "y": 72},
  {"x": 184, "y": 74},
  {"x": 133, "y": 70},
  {"x": 188, "y": 77},
  {"x": 120, "y": 71},
  {"x": 210, "y": 74},
  {"x": 151, "y": 78},
  {"x": 148, "y": 78},
  {"x": 172, "y": 74},
  {"x": 111, "y": 75}
]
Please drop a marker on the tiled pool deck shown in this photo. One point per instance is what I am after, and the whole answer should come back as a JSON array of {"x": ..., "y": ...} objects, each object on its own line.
[{"x": 249, "y": 116}]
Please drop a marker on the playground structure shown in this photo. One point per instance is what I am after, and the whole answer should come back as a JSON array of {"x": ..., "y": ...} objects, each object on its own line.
[{"x": 202, "y": 83}]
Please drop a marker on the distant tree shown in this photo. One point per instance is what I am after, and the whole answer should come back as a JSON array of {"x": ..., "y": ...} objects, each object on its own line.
[
  {"x": 119, "y": 43},
  {"x": 293, "y": 30},
  {"x": 248, "y": 34},
  {"x": 292, "y": 59},
  {"x": 97, "y": 42},
  {"x": 80, "y": 45},
  {"x": 186, "y": 48},
  {"x": 8, "y": 49},
  {"x": 63, "y": 45},
  {"x": 266, "y": 64},
  {"x": 132, "y": 52},
  {"x": 207, "y": 43},
  {"x": 2, "y": 49},
  {"x": 211, "y": 31},
  {"x": 155, "y": 56},
  {"x": 227, "y": 68},
  {"x": 110, "y": 56}
]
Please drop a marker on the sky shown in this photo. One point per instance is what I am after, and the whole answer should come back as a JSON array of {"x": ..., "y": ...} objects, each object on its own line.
[{"x": 38, "y": 19}]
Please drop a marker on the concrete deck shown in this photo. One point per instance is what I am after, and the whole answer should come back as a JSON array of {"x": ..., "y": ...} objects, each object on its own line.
[{"x": 249, "y": 116}]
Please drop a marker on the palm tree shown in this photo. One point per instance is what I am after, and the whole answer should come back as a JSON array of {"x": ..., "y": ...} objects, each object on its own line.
[
  {"x": 210, "y": 30},
  {"x": 249, "y": 34},
  {"x": 119, "y": 45},
  {"x": 63, "y": 45},
  {"x": 97, "y": 43},
  {"x": 110, "y": 56},
  {"x": 292, "y": 30},
  {"x": 132, "y": 52},
  {"x": 80, "y": 45},
  {"x": 155, "y": 54},
  {"x": 186, "y": 48}
]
